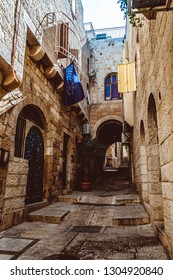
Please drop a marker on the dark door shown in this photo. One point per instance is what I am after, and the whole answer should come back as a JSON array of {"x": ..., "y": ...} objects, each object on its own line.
[
  {"x": 64, "y": 171},
  {"x": 34, "y": 152}
]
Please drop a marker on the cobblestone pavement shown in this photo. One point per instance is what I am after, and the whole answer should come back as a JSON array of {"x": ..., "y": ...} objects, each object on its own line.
[{"x": 107, "y": 222}]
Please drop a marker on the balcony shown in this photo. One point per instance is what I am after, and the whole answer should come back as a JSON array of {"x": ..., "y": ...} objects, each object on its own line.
[
  {"x": 138, "y": 4},
  {"x": 60, "y": 38},
  {"x": 149, "y": 8},
  {"x": 104, "y": 33}
]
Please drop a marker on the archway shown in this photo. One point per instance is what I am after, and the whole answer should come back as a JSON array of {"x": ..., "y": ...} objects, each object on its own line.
[
  {"x": 110, "y": 134},
  {"x": 155, "y": 191},
  {"x": 29, "y": 145},
  {"x": 143, "y": 165}
]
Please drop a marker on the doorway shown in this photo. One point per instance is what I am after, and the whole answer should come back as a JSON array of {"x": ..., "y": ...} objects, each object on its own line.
[{"x": 34, "y": 153}]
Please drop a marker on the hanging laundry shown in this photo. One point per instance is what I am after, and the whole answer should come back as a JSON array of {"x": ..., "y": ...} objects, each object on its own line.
[{"x": 73, "y": 91}]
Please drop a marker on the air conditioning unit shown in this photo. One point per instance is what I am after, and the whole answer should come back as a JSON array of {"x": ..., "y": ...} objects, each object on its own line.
[{"x": 86, "y": 128}]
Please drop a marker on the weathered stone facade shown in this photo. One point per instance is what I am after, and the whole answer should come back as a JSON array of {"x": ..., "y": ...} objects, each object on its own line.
[
  {"x": 152, "y": 48},
  {"x": 105, "y": 55},
  {"x": 18, "y": 28}
]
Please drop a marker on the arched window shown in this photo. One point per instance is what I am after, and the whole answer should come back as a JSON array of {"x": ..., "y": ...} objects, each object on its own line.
[
  {"x": 33, "y": 114},
  {"x": 111, "y": 87}
]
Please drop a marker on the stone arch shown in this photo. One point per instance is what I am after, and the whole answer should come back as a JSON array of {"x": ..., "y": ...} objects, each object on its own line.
[
  {"x": 102, "y": 120},
  {"x": 143, "y": 165},
  {"x": 154, "y": 184},
  {"x": 12, "y": 117},
  {"x": 109, "y": 132},
  {"x": 30, "y": 100}
]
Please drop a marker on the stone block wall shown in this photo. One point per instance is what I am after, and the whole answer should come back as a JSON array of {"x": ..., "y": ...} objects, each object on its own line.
[
  {"x": 15, "y": 190},
  {"x": 106, "y": 54},
  {"x": 40, "y": 92},
  {"x": 154, "y": 45}
]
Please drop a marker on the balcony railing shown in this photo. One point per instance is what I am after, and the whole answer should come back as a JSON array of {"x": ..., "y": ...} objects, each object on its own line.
[
  {"x": 114, "y": 32},
  {"x": 104, "y": 33},
  {"x": 66, "y": 37}
]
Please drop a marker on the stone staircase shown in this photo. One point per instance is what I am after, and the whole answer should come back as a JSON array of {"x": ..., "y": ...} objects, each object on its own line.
[{"x": 114, "y": 193}]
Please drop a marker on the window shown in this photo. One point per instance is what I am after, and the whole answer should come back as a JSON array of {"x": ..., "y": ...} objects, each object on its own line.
[
  {"x": 19, "y": 138},
  {"x": 63, "y": 40},
  {"x": 33, "y": 114},
  {"x": 111, "y": 87}
]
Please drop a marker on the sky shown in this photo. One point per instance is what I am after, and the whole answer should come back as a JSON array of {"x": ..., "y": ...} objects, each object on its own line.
[{"x": 103, "y": 13}]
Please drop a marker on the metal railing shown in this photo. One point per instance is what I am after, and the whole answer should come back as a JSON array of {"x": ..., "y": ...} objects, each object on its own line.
[{"x": 112, "y": 32}]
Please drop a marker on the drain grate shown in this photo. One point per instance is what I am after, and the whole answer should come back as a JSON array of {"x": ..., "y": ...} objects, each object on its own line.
[{"x": 87, "y": 229}]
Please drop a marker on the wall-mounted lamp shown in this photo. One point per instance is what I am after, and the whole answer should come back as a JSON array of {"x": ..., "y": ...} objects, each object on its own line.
[{"x": 4, "y": 156}]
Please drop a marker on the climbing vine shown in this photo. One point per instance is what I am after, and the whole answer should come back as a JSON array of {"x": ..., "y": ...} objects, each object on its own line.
[{"x": 133, "y": 18}]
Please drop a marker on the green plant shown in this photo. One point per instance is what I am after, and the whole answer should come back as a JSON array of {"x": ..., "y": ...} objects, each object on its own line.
[
  {"x": 89, "y": 150},
  {"x": 133, "y": 18}
]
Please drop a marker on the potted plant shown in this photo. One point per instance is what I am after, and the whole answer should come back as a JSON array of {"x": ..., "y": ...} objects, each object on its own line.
[{"x": 89, "y": 151}]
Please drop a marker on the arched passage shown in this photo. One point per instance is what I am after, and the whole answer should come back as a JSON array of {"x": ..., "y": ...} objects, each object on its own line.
[
  {"x": 110, "y": 134},
  {"x": 143, "y": 165},
  {"x": 155, "y": 192}
]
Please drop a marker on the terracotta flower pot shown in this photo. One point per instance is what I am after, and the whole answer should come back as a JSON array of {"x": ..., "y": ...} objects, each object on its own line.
[{"x": 85, "y": 186}]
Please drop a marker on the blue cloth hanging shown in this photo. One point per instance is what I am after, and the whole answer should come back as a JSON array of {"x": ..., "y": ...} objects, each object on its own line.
[{"x": 73, "y": 91}]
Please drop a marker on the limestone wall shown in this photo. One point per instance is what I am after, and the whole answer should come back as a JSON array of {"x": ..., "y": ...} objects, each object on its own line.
[
  {"x": 152, "y": 46},
  {"x": 17, "y": 15},
  {"x": 40, "y": 92},
  {"x": 105, "y": 55}
]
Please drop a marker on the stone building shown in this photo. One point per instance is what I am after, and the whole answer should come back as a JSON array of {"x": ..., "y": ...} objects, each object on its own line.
[
  {"x": 151, "y": 47},
  {"x": 38, "y": 134},
  {"x": 106, "y": 114}
]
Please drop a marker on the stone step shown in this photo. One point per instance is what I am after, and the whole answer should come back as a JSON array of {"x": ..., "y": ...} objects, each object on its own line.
[
  {"x": 130, "y": 215},
  {"x": 128, "y": 199},
  {"x": 70, "y": 198},
  {"x": 50, "y": 214},
  {"x": 34, "y": 207}
]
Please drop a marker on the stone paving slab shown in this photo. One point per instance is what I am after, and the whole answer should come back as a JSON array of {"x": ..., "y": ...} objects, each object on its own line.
[
  {"x": 6, "y": 256},
  {"x": 96, "y": 200},
  {"x": 96, "y": 246},
  {"x": 125, "y": 231},
  {"x": 48, "y": 214},
  {"x": 13, "y": 244},
  {"x": 102, "y": 216},
  {"x": 91, "y": 228},
  {"x": 130, "y": 215},
  {"x": 54, "y": 244},
  {"x": 151, "y": 253}
]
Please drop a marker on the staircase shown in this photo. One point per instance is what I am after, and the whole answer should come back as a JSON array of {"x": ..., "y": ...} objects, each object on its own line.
[{"x": 113, "y": 194}]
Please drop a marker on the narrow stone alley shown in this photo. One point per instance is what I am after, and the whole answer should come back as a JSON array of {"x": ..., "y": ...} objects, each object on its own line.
[{"x": 108, "y": 222}]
